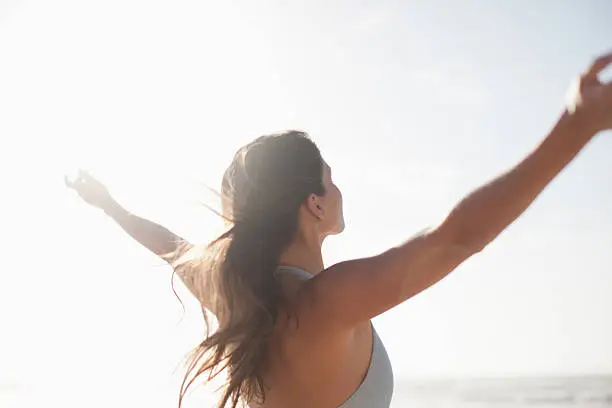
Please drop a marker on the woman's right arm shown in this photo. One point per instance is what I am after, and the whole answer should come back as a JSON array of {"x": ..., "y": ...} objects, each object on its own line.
[
  {"x": 156, "y": 238},
  {"x": 355, "y": 291},
  {"x": 152, "y": 236}
]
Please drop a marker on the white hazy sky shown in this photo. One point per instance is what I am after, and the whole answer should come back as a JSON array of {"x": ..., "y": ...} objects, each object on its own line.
[{"x": 412, "y": 103}]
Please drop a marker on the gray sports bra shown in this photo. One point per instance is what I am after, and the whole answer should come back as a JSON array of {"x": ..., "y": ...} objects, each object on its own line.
[{"x": 376, "y": 388}]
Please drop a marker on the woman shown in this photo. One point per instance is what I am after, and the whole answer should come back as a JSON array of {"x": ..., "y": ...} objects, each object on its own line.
[{"x": 294, "y": 334}]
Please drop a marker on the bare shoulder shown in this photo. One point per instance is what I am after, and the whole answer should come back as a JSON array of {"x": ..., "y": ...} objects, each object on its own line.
[{"x": 353, "y": 292}]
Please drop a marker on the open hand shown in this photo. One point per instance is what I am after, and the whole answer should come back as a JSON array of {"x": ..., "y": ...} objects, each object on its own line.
[
  {"x": 90, "y": 189},
  {"x": 590, "y": 99}
]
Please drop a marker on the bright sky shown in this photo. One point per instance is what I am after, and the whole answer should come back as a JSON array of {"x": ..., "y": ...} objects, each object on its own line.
[{"x": 412, "y": 103}]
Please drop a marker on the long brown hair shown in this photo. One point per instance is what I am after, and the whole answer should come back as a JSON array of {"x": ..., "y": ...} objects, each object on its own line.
[{"x": 262, "y": 191}]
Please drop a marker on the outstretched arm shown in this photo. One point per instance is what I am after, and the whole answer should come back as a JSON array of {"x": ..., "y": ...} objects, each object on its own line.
[
  {"x": 373, "y": 285},
  {"x": 152, "y": 236}
]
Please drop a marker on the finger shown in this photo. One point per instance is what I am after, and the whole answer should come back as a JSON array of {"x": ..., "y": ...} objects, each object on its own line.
[
  {"x": 68, "y": 182},
  {"x": 87, "y": 176},
  {"x": 599, "y": 65},
  {"x": 73, "y": 180}
]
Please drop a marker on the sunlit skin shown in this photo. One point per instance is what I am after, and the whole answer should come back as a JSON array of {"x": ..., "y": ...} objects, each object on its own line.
[
  {"x": 320, "y": 216},
  {"x": 322, "y": 360}
]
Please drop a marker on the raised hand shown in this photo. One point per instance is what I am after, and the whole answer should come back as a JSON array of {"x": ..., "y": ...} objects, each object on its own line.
[
  {"x": 152, "y": 236},
  {"x": 91, "y": 190},
  {"x": 590, "y": 99}
]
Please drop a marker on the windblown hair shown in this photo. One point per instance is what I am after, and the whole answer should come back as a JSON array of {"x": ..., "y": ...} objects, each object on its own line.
[{"x": 262, "y": 191}]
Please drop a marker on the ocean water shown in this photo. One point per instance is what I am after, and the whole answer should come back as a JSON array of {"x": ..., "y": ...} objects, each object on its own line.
[{"x": 583, "y": 391}]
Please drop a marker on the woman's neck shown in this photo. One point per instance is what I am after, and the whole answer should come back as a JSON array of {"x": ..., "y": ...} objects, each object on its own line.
[{"x": 304, "y": 253}]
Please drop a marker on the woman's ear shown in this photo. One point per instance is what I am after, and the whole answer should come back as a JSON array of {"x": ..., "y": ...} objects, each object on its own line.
[{"x": 314, "y": 204}]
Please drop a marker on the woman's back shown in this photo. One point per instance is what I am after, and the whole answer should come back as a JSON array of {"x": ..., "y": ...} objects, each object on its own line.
[{"x": 307, "y": 368}]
